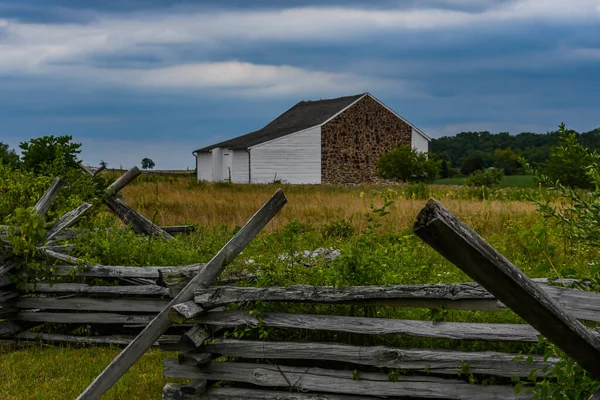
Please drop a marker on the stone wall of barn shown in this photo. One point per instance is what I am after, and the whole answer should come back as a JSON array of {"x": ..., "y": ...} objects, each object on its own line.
[{"x": 352, "y": 142}]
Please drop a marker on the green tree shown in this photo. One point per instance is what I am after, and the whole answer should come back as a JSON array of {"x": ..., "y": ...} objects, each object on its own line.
[
  {"x": 568, "y": 160},
  {"x": 8, "y": 155},
  {"x": 147, "y": 163},
  {"x": 406, "y": 164},
  {"x": 507, "y": 160},
  {"x": 445, "y": 163},
  {"x": 39, "y": 153},
  {"x": 471, "y": 163}
]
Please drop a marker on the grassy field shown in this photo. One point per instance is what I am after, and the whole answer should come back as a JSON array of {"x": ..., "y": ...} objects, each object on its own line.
[
  {"x": 510, "y": 181},
  {"x": 176, "y": 201},
  {"x": 52, "y": 373},
  {"x": 316, "y": 216}
]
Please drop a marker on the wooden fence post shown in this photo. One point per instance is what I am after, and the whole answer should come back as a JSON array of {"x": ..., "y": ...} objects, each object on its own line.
[
  {"x": 43, "y": 204},
  {"x": 205, "y": 277},
  {"x": 457, "y": 242}
]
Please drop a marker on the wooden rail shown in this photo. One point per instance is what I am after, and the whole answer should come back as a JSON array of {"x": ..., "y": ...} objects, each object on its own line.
[
  {"x": 373, "y": 326},
  {"x": 472, "y": 254},
  {"x": 462, "y": 296},
  {"x": 337, "y": 381},
  {"x": 435, "y": 361}
]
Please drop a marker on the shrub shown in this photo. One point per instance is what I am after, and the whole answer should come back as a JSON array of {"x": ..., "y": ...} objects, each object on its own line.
[
  {"x": 579, "y": 222},
  {"x": 18, "y": 188},
  {"x": 568, "y": 161},
  {"x": 452, "y": 172},
  {"x": 417, "y": 191},
  {"x": 406, "y": 164},
  {"x": 487, "y": 178},
  {"x": 340, "y": 228}
]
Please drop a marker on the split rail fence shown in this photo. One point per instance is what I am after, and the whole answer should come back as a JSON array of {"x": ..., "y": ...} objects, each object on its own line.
[
  {"x": 180, "y": 309},
  {"x": 264, "y": 369},
  {"x": 116, "y": 301}
]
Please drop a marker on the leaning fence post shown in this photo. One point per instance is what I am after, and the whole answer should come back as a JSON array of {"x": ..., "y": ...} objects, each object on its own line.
[
  {"x": 43, "y": 204},
  {"x": 205, "y": 277},
  {"x": 467, "y": 250},
  {"x": 127, "y": 214}
]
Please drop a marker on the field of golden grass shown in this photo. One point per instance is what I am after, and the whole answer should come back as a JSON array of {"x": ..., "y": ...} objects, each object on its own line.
[{"x": 181, "y": 201}]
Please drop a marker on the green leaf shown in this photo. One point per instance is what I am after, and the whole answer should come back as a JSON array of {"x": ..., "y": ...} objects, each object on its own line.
[{"x": 518, "y": 387}]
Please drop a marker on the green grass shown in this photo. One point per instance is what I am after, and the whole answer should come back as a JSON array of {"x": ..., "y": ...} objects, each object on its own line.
[
  {"x": 63, "y": 373},
  {"x": 512, "y": 181}
]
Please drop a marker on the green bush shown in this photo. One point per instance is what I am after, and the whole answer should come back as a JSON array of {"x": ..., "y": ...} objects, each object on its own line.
[
  {"x": 19, "y": 189},
  {"x": 569, "y": 160},
  {"x": 406, "y": 164},
  {"x": 417, "y": 191},
  {"x": 340, "y": 228},
  {"x": 487, "y": 178}
]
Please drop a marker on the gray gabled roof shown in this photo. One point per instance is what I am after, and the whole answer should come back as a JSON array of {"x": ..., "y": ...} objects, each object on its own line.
[{"x": 303, "y": 115}]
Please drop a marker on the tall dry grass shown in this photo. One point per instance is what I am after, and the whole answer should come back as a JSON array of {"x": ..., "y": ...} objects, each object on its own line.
[{"x": 178, "y": 201}]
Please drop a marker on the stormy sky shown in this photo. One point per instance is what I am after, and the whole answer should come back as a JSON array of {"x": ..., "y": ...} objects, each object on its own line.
[{"x": 156, "y": 78}]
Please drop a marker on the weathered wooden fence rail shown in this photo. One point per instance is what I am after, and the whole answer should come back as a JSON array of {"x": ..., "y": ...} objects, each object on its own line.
[
  {"x": 194, "y": 363},
  {"x": 291, "y": 369}
]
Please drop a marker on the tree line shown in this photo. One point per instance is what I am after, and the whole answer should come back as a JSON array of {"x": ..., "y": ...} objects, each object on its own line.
[
  {"x": 467, "y": 152},
  {"x": 563, "y": 156}
]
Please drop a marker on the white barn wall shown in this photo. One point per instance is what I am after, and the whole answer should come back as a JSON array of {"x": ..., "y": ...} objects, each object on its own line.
[
  {"x": 239, "y": 173},
  {"x": 204, "y": 166},
  {"x": 419, "y": 142},
  {"x": 295, "y": 158}
]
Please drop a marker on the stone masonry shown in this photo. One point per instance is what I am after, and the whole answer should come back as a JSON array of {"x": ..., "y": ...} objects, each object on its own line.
[{"x": 352, "y": 142}]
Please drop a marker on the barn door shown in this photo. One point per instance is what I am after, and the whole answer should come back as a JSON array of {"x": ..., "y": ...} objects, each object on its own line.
[{"x": 226, "y": 165}]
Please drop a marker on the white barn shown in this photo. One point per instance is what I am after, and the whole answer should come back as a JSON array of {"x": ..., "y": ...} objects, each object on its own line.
[{"x": 327, "y": 141}]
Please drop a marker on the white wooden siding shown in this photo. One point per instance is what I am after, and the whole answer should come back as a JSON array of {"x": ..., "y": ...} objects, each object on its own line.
[
  {"x": 204, "y": 166},
  {"x": 294, "y": 158},
  {"x": 419, "y": 142},
  {"x": 240, "y": 167}
]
